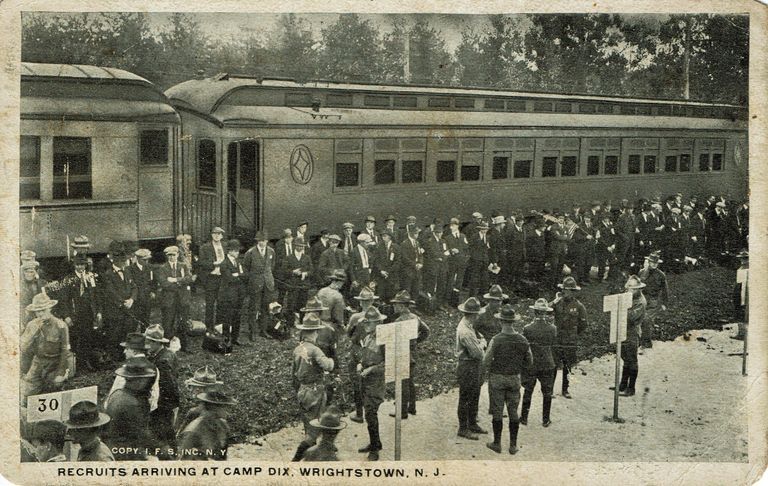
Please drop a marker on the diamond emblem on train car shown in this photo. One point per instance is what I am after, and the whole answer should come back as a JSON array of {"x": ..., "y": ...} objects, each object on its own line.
[{"x": 302, "y": 164}]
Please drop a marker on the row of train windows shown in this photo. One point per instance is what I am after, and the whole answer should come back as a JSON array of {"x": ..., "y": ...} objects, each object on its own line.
[{"x": 72, "y": 164}]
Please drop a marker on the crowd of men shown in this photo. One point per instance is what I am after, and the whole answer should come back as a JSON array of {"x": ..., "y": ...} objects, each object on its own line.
[{"x": 100, "y": 313}]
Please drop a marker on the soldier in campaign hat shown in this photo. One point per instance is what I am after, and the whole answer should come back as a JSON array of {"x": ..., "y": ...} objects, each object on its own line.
[
  {"x": 656, "y": 294},
  {"x": 355, "y": 333},
  {"x": 207, "y": 436},
  {"x": 487, "y": 325},
  {"x": 570, "y": 321},
  {"x": 203, "y": 380},
  {"x": 629, "y": 347},
  {"x": 83, "y": 427},
  {"x": 402, "y": 303},
  {"x": 169, "y": 400},
  {"x": 370, "y": 367},
  {"x": 469, "y": 349},
  {"x": 542, "y": 336},
  {"x": 329, "y": 424}
]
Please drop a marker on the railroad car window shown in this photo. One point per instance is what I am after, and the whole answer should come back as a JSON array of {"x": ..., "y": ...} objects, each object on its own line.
[
  {"x": 471, "y": 166},
  {"x": 384, "y": 172},
  {"x": 717, "y": 161},
  {"x": 29, "y": 171},
  {"x": 634, "y": 164},
  {"x": 628, "y": 109},
  {"x": 72, "y": 168},
  {"x": 522, "y": 169},
  {"x": 336, "y": 99},
  {"x": 249, "y": 157},
  {"x": 685, "y": 162},
  {"x": 643, "y": 110},
  {"x": 516, "y": 105},
  {"x": 439, "y": 102},
  {"x": 563, "y": 107},
  {"x": 605, "y": 109},
  {"x": 412, "y": 171},
  {"x": 593, "y": 165},
  {"x": 542, "y": 106},
  {"x": 464, "y": 102},
  {"x": 664, "y": 110},
  {"x": 446, "y": 170},
  {"x": 376, "y": 100},
  {"x": 611, "y": 165},
  {"x": 470, "y": 172},
  {"x": 570, "y": 166},
  {"x": 153, "y": 147},
  {"x": 703, "y": 162},
  {"x": 500, "y": 167},
  {"x": 347, "y": 174},
  {"x": 206, "y": 164},
  {"x": 587, "y": 108},
  {"x": 405, "y": 101},
  {"x": 494, "y": 104},
  {"x": 670, "y": 164},
  {"x": 549, "y": 167},
  {"x": 649, "y": 164},
  {"x": 298, "y": 99}
]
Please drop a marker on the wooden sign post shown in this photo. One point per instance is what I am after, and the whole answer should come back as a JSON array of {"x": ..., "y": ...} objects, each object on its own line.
[
  {"x": 396, "y": 338},
  {"x": 617, "y": 305},
  {"x": 742, "y": 277}
]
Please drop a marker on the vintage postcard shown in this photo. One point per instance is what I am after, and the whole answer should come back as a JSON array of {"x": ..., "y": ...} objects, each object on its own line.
[{"x": 351, "y": 243}]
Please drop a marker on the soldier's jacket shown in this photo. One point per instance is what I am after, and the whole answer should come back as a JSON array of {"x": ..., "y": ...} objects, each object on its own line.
[
  {"x": 655, "y": 284},
  {"x": 635, "y": 318},
  {"x": 205, "y": 439},
  {"x": 324, "y": 451},
  {"x": 309, "y": 362},
  {"x": 94, "y": 451},
  {"x": 541, "y": 335},
  {"x": 167, "y": 365},
  {"x": 570, "y": 320},
  {"x": 50, "y": 340},
  {"x": 129, "y": 424},
  {"x": 423, "y": 332}
]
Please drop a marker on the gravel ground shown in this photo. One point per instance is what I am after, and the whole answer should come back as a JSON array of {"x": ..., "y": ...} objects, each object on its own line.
[{"x": 258, "y": 374}]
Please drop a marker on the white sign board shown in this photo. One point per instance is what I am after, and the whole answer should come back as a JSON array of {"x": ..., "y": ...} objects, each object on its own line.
[
  {"x": 618, "y": 305},
  {"x": 396, "y": 338},
  {"x": 55, "y": 406},
  {"x": 742, "y": 277}
]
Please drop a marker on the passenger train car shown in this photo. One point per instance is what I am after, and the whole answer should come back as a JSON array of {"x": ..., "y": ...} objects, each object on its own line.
[{"x": 106, "y": 154}]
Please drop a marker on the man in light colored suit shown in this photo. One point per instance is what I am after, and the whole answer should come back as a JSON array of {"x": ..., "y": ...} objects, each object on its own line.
[{"x": 259, "y": 264}]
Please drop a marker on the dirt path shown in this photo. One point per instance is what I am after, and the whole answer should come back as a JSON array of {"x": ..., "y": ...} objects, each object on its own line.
[{"x": 690, "y": 406}]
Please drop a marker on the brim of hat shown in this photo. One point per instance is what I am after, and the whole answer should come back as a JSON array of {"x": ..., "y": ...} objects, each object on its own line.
[
  {"x": 568, "y": 288},
  {"x": 161, "y": 340},
  {"x": 35, "y": 308},
  {"x": 126, "y": 345},
  {"x": 657, "y": 261},
  {"x": 378, "y": 319},
  {"x": 489, "y": 296},
  {"x": 119, "y": 372},
  {"x": 466, "y": 311},
  {"x": 229, "y": 401},
  {"x": 396, "y": 301},
  {"x": 634, "y": 287},
  {"x": 316, "y": 424},
  {"x": 194, "y": 382},
  {"x": 302, "y": 327},
  {"x": 309, "y": 309},
  {"x": 103, "y": 419},
  {"x": 516, "y": 318},
  {"x": 547, "y": 309},
  {"x": 374, "y": 297}
]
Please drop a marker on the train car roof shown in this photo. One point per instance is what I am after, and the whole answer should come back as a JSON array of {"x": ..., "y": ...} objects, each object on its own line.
[{"x": 82, "y": 92}]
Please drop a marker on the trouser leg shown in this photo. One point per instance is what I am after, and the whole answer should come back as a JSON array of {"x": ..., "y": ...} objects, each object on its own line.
[{"x": 372, "y": 422}]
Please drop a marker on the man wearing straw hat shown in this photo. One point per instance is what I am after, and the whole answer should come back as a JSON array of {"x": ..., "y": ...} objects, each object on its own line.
[
  {"x": 207, "y": 437},
  {"x": 83, "y": 426},
  {"x": 355, "y": 333},
  {"x": 329, "y": 424},
  {"x": 508, "y": 355},
  {"x": 656, "y": 294},
  {"x": 203, "y": 380},
  {"x": 542, "y": 336},
  {"x": 570, "y": 321},
  {"x": 469, "y": 349},
  {"x": 635, "y": 318},
  {"x": 162, "y": 419},
  {"x": 371, "y": 370},
  {"x": 309, "y": 365},
  {"x": 402, "y": 307},
  {"x": 45, "y": 343}
]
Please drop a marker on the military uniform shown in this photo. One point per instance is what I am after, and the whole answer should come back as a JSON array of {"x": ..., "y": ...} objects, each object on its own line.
[
  {"x": 542, "y": 336},
  {"x": 629, "y": 347},
  {"x": 129, "y": 424},
  {"x": 205, "y": 439},
  {"x": 372, "y": 359},
  {"x": 656, "y": 294},
  {"x": 468, "y": 351},
  {"x": 309, "y": 363},
  {"x": 570, "y": 321},
  {"x": 46, "y": 342},
  {"x": 94, "y": 451},
  {"x": 409, "y": 385},
  {"x": 161, "y": 419}
]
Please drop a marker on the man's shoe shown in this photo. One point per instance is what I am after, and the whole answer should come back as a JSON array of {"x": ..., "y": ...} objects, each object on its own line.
[
  {"x": 365, "y": 449},
  {"x": 357, "y": 418},
  {"x": 373, "y": 456},
  {"x": 546, "y": 423},
  {"x": 628, "y": 392},
  {"x": 467, "y": 434},
  {"x": 494, "y": 446},
  {"x": 513, "y": 449},
  {"x": 412, "y": 412},
  {"x": 393, "y": 414},
  {"x": 566, "y": 394},
  {"x": 523, "y": 420},
  {"x": 477, "y": 429}
]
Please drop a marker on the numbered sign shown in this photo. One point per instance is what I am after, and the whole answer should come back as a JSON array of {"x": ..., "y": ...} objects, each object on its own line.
[
  {"x": 55, "y": 406},
  {"x": 742, "y": 277},
  {"x": 396, "y": 338},
  {"x": 618, "y": 305}
]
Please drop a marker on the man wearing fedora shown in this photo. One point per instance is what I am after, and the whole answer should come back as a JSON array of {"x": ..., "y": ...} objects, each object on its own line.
[
  {"x": 542, "y": 336},
  {"x": 83, "y": 427},
  {"x": 458, "y": 247},
  {"x": 309, "y": 365},
  {"x": 45, "y": 344},
  {"x": 135, "y": 346},
  {"x": 514, "y": 236},
  {"x": 629, "y": 347},
  {"x": 118, "y": 294},
  {"x": 232, "y": 290},
  {"x": 203, "y": 380},
  {"x": 259, "y": 265},
  {"x": 371, "y": 370},
  {"x": 412, "y": 258},
  {"x": 507, "y": 356},
  {"x": 469, "y": 348},
  {"x": 626, "y": 230},
  {"x": 143, "y": 276},
  {"x": 128, "y": 408},
  {"x": 498, "y": 245},
  {"x": 161, "y": 420},
  {"x": 206, "y": 438},
  {"x": 298, "y": 269},
  {"x": 487, "y": 324},
  {"x": 329, "y": 424},
  {"x": 570, "y": 321},
  {"x": 402, "y": 306},
  {"x": 319, "y": 247},
  {"x": 355, "y": 332},
  {"x": 656, "y": 294},
  {"x": 479, "y": 259},
  {"x": 390, "y": 224},
  {"x": 435, "y": 262},
  {"x": 173, "y": 281},
  {"x": 388, "y": 265},
  {"x": 211, "y": 256}
]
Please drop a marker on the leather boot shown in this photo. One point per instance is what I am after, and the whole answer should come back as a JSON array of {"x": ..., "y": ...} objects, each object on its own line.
[
  {"x": 624, "y": 380},
  {"x": 630, "y": 391},
  {"x": 545, "y": 413},
  {"x": 514, "y": 428},
  {"x": 495, "y": 446},
  {"x": 300, "y": 452},
  {"x": 524, "y": 410}
]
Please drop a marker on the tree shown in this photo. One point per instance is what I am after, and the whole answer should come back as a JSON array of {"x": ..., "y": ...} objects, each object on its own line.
[
  {"x": 289, "y": 50},
  {"x": 350, "y": 50},
  {"x": 183, "y": 50}
]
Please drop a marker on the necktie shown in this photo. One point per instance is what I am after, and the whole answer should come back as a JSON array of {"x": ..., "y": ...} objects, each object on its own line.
[
  {"x": 219, "y": 253},
  {"x": 82, "y": 283},
  {"x": 120, "y": 273},
  {"x": 173, "y": 267}
]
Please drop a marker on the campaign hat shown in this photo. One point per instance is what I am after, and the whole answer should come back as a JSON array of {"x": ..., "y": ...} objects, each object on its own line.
[
  {"x": 471, "y": 306},
  {"x": 402, "y": 297},
  {"x": 85, "y": 415},
  {"x": 507, "y": 313},
  {"x": 541, "y": 304},
  {"x": 569, "y": 283},
  {"x": 41, "y": 302}
]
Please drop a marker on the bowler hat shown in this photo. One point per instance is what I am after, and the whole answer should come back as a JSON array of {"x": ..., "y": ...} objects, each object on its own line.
[
  {"x": 471, "y": 306},
  {"x": 569, "y": 283},
  {"x": 633, "y": 282},
  {"x": 496, "y": 293},
  {"x": 402, "y": 297},
  {"x": 41, "y": 302},
  {"x": 156, "y": 333},
  {"x": 203, "y": 377},
  {"x": 541, "y": 305},
  {"x": 311, "y": 322},
  {"x": 85, "y": 415},
  {"x": 216, "y": 398},
  {"x": 328, "y": 421},
  {"x": 339, "y": 275},
  {"x": 135, "y": 340},
  {"x": 313, "y": 305},
  {"x": 507, "y": 313},
  {"x": 366, "y": 294},
  {"x": 137, "y": 368},
  {"x": 373, "y": 315},
  {"x": 260, "y": 236}
]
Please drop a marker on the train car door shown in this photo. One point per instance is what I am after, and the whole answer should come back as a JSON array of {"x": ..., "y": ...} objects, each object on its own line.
[{"x": 243, "y": 186}]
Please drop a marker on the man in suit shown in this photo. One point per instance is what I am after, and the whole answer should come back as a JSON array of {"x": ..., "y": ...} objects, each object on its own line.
[
  {"x": 348, "y": 239},
  {"x": 144, "y": 277},
  {"x": 298, "y": 267},
  {"x": 479, "y": 259},
  {"x": 435, "y": 265},
  {"x": 319, "y": 247},
  {"x": 361, "y": 262},
  {"x": 174, "y": 295},
  {"x": 331, "y": 259},
  {"x": 412, "y": 261},
  {"x": 370, "y": 229},
  {"x": 626, "y": 229},
  {"x": 232, "y": 291},
  {"x": 558, "y": 248},
  {"x": 211, "y": 256},
  {"x": 259, "y": 264},
  {"x": 458, "y": 249},
  {"x": 118, "y": 294},
  {"x": 514, "y": 242},
  {"x": 535, "y": 252},
  {"x": 588, "y": 231},
  {"x": 497, "y": 243},
  {"x": 388, "y": 266},
  {"x": 605, "y": 246},
  {"x": 390, "y": 225},
  {"x": 646, "y": 222},
  {"x": 283, "y": 248},
  {"x": 698, "y": 232}
]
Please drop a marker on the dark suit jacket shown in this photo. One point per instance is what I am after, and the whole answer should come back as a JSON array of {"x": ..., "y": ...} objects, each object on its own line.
[
  {"x": 410, "y": 256},
  {"x": 260, "y": 270},
  {"x": 317, "y": 249},
  {"x": 330, "y": 260},
  {"x": 206, "y": 259},
  {"x": 388, "y": 260},
  {"x": 357, "y": 273},
  {"x": 497, "y": 242},
  {"x": 171, "y": 293},
  {"x": 515, "y": 244},
  {"x": 168, "y": 366},
  {"x": 71, "y": 303},
  {"x": 291, "y": 263},
  {"x": 433, "y": 250},
  {"x": 144, "y": 279},
  {"x": 558, "y": 244},
  {"x": 233, "y": 279},
  {"x": 534, "y": 247},
  {"x": 115, "y": 290}
]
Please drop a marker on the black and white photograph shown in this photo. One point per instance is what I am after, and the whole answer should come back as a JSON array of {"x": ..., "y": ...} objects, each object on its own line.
[{"x": 389, "y": 238}]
